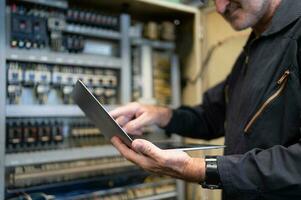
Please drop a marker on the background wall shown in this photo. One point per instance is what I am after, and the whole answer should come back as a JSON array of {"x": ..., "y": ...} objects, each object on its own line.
[{"x": 216, "y": 30}]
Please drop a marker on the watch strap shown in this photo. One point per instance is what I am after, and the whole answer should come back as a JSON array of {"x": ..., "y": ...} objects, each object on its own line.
[{"x": 212, "y": 177}]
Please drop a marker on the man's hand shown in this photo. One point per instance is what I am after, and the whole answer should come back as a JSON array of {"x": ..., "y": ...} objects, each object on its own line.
[
  {"x": 164, "y": 162},
  {"x": 134, "y": 117}
]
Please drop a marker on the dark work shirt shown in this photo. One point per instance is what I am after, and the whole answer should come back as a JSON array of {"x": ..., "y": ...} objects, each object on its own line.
[{"x": 258, "y": 110}]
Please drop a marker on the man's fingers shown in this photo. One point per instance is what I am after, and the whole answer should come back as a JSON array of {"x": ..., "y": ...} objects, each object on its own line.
[
  {"x": 122, "y": 148},
  {"x": 174, "y": 163},
  {"x": 129, "y": 153},
  {"x": 123, "y": 120},
  {"x": 138, "y": 123},
  {"x": 147, "y": 148},
  {"x": 120, "y": 111},
  {"x": 127, "y": 110},
  {"x": 137, "y": 132}
]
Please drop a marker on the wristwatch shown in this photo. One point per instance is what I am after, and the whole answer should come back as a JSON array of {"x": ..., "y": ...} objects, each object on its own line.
[{"x": 212, "y": 177}]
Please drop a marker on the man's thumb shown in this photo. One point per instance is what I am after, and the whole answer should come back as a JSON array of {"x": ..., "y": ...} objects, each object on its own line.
[{"x": 145, "y": 147}]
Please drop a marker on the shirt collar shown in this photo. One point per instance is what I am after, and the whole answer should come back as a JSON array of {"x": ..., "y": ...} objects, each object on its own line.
[{"x": 287, "y": 12}]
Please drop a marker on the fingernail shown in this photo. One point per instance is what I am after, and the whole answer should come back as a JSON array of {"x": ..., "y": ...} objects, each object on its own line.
[{"x": 137, "y": 145}]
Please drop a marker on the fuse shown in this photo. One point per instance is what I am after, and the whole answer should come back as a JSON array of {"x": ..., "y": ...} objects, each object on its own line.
[
  {"x": 14, "y": 135},
  {"x": 57, "y": 131},
  {"x": 30, "y": 133},
  {"x": 44, "y": 132}
]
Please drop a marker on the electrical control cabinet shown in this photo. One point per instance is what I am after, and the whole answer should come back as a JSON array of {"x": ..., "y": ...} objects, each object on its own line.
[{"x": 123, "y": 51}]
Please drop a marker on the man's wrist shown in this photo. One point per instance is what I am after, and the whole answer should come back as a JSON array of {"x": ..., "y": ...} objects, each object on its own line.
[
  {"x": 195, "y": 170},
  {"x": 165, "y": 115},
  {"x": 212, "y": 177}
]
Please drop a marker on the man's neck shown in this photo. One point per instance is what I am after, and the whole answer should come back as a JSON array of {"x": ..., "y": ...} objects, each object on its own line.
[{"x": 266, "y": 20}]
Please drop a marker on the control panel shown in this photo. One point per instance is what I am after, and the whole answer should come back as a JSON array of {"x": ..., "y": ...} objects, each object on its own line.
[
  {"x": 73, "y": 30},
  {"x": 31, "y": 83},
  {"x": 36, "y": 134},
  {"x": 119, "y": 57}
]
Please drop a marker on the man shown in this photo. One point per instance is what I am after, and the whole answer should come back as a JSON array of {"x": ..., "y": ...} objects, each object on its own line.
[{"x": 257, "y": 108}]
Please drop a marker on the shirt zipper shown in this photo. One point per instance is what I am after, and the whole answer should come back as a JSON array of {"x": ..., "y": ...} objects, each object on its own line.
[{"x": 281, "y": 83}]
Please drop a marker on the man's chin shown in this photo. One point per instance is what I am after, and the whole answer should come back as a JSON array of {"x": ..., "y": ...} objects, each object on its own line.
[{"x": 239, "y": 26}]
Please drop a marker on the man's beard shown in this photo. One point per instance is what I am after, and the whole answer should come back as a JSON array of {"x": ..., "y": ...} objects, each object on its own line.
[{"x": 250, "y": 18}]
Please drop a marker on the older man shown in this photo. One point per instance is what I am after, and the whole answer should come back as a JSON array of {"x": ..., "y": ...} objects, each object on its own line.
[{"x": 257, "y": 108}]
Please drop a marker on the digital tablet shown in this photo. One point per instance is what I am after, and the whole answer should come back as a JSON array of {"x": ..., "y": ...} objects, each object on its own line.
[{"x": 109, "y": 127}]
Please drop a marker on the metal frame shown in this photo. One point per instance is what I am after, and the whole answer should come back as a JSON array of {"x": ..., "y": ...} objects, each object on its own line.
[
  {"x": 100, "y": 33},
  {"x": 40, "y": 56},
  {"x": 123, "y": 63},
  {"x": 125, "y": 53},
  {"x": 160, "y": 196},
  {"x": 53, "y": 3},
  {"x": 2, "y": 96},
  {"x": 154, "y": 44},
  {"x": 176, "y": 102},
  {"x": 147, "y": 75},
  {"x": 175, "y": 81},
  {"x": 47, "y": 111},
  {"x": 17, "y": 159}
]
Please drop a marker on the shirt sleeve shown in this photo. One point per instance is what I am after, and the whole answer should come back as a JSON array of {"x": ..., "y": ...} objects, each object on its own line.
[
  {"x": 205, "y": 121},
  {"x": 273, "y": 173}
]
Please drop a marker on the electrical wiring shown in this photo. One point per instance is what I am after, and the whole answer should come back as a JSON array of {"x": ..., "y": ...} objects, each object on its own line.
[{"x": 212, "y": 49}]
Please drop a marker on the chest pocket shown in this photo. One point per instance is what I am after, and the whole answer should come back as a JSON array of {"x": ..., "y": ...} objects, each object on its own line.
[{"x": 281, "y": 83}]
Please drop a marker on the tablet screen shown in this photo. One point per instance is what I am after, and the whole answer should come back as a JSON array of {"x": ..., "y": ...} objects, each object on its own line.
[{"x": 98, "y": 114}]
